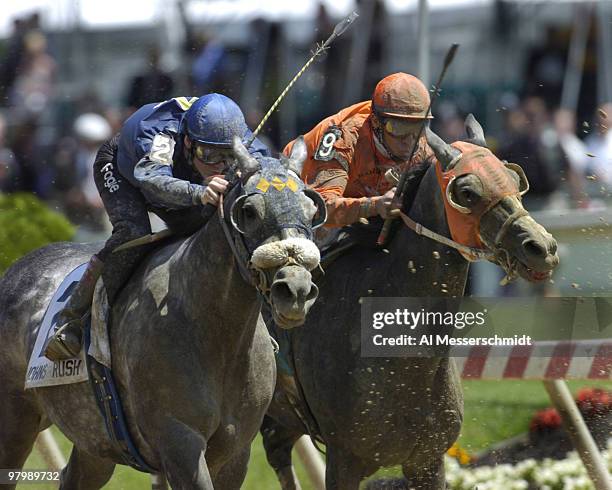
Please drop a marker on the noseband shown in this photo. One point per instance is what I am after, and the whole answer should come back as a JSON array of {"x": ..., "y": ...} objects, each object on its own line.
[{"x": 243, "y": 253}]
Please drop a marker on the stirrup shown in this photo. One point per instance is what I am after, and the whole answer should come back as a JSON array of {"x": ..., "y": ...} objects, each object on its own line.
[{"x": 57, "y": 349}]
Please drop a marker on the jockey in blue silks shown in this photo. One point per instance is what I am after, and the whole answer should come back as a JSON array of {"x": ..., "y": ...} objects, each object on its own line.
[{"x": 169, "y": 158}]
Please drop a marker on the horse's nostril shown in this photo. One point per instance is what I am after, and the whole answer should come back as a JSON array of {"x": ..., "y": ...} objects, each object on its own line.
[
  {"x": 282, "y": 292},
  {"x": 534, "y": 249}
]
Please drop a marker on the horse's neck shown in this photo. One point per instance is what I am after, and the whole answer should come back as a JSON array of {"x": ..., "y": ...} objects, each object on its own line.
[
  {"x": 212, "y": 281},
  {"x": 412, "y": 257},
  {"x": 428, "y": 206}
]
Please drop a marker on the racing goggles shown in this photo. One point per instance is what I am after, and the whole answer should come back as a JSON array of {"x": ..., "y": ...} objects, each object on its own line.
[
  {"x": 210, "y": 155},
  {"x": 399, "y": 128}
]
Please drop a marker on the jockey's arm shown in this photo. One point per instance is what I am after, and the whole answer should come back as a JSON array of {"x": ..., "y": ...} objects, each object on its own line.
[
  {"x": 162, "y": 189},
  {"x": 330, "y": 181}
]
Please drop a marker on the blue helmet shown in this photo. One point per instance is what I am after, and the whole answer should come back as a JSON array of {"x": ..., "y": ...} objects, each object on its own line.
[{"x": 214, "y": 119}]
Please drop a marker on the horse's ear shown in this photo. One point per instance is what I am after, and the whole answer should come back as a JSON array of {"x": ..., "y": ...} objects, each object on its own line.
[
  {"x": 474, "y": 131},
  {"x": 298, "y": 155},
  {"x": 444, "y": 152},
  {"x": 246, "y": 163}
]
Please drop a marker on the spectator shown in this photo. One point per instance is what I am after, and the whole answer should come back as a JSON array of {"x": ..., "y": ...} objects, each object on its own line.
[
  {"x": 207, "y": 65},
  {"x": 153, "y": 85},
  {"x": 24, "y": 144},
  {"x": 9, "y": 169},
  {"x": 531, "y": 142},
  {"x": 449, "y": 122},
  {"x": 9, "y": 65},
  {"x": 574, "y": 152},
  {"x": 205, "y": 57},
  {"x": 545, "y": 66},
  {"x": 75, "y": 165},
  {"x": 34, "y": 83},
  {"x": 599, "y": 145}
]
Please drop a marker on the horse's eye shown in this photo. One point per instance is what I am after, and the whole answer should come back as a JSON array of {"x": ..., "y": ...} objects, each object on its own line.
[
  {"x": 468, "y": 190},
  {"x": 468, "y": 195}
]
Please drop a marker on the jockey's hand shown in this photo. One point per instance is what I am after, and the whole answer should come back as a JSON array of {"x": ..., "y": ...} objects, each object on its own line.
[
  {"x": 215, "y": 186},
  {"x": 384, "y": 204}
]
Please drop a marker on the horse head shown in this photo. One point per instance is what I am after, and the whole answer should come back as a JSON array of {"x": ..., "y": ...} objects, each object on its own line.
[
  {"x": 272, "y": 216},
  {"x": 482, "y": 200}
]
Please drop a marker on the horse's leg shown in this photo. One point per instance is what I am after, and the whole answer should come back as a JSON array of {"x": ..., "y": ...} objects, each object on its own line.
[
  {"x": 344, "y": 471},
  {"x": 183, "y": 457},
  {"x": 85, "y": 471},
  {"x": 232, "y": 474},
  {"x": 19, "y": 428},
  {"x": 420, "y": 477},
  {"x": 278, "y": 442}
]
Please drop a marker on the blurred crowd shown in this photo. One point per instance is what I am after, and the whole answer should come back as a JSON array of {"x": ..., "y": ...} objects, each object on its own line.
[{"x": 567, "y": 159}]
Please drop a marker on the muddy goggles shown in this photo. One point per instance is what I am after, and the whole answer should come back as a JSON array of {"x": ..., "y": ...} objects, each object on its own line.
[
  {"x": 401, "y": 127},
  {"x": 210, "y": 155}
]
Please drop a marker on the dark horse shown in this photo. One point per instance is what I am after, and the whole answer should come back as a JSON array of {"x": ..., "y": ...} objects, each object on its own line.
[
  {"x": 191, "y": 355},
  {"x": 378, "y": 412}
]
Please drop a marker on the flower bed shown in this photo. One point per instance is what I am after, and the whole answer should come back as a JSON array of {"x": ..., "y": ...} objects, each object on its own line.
[
  {"x": 548, "y": 474},
  {"x": 540, "y": 460},
  {"x": 547, "y": 437}
]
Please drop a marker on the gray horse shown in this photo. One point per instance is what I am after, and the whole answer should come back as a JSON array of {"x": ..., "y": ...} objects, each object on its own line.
[
  {"x": 377, "y": 412},
  {"x": 191, "y": 355}
]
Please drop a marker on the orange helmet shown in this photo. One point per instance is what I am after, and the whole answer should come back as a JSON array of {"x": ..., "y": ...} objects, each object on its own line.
[{"x": 401, "y": 95}]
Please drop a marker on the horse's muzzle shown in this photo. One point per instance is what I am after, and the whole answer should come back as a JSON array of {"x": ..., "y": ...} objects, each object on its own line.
[
  {"x": 535, "y": 250},
  {"x": 292, "y": 293}
]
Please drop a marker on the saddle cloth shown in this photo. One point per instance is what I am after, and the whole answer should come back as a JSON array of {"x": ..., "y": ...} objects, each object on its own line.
[{"x": 41, "y": 371}]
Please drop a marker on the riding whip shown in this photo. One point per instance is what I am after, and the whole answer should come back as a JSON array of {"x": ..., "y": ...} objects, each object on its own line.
[
  {"x": 397, "y": 198},
  {"x": 341, "y": 26}
]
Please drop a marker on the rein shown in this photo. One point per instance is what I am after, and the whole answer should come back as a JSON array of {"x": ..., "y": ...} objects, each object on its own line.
[
  {"x": 419, "y": 229},
  {"x": 500, "y": 255}
]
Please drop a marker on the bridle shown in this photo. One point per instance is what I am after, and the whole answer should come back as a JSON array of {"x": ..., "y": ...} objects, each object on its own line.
[
  {"x": 242, "y": 250},
  {"x": 494, "y": 252}
]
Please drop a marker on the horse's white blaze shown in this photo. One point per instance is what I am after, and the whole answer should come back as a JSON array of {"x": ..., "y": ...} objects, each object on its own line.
[{"x": 303, "y": 251}]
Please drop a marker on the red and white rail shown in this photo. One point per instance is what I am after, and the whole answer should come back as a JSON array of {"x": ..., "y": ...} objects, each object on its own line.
[{"x": 591, "y": 359}]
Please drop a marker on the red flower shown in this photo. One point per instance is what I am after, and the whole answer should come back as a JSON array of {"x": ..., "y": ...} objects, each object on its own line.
[
  {"x": 545, "y": 420},
  {"x": 594, "y": 401}
]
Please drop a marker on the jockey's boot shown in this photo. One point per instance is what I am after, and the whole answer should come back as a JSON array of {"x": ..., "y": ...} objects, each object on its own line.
[{"x": 68, "y": 337}]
